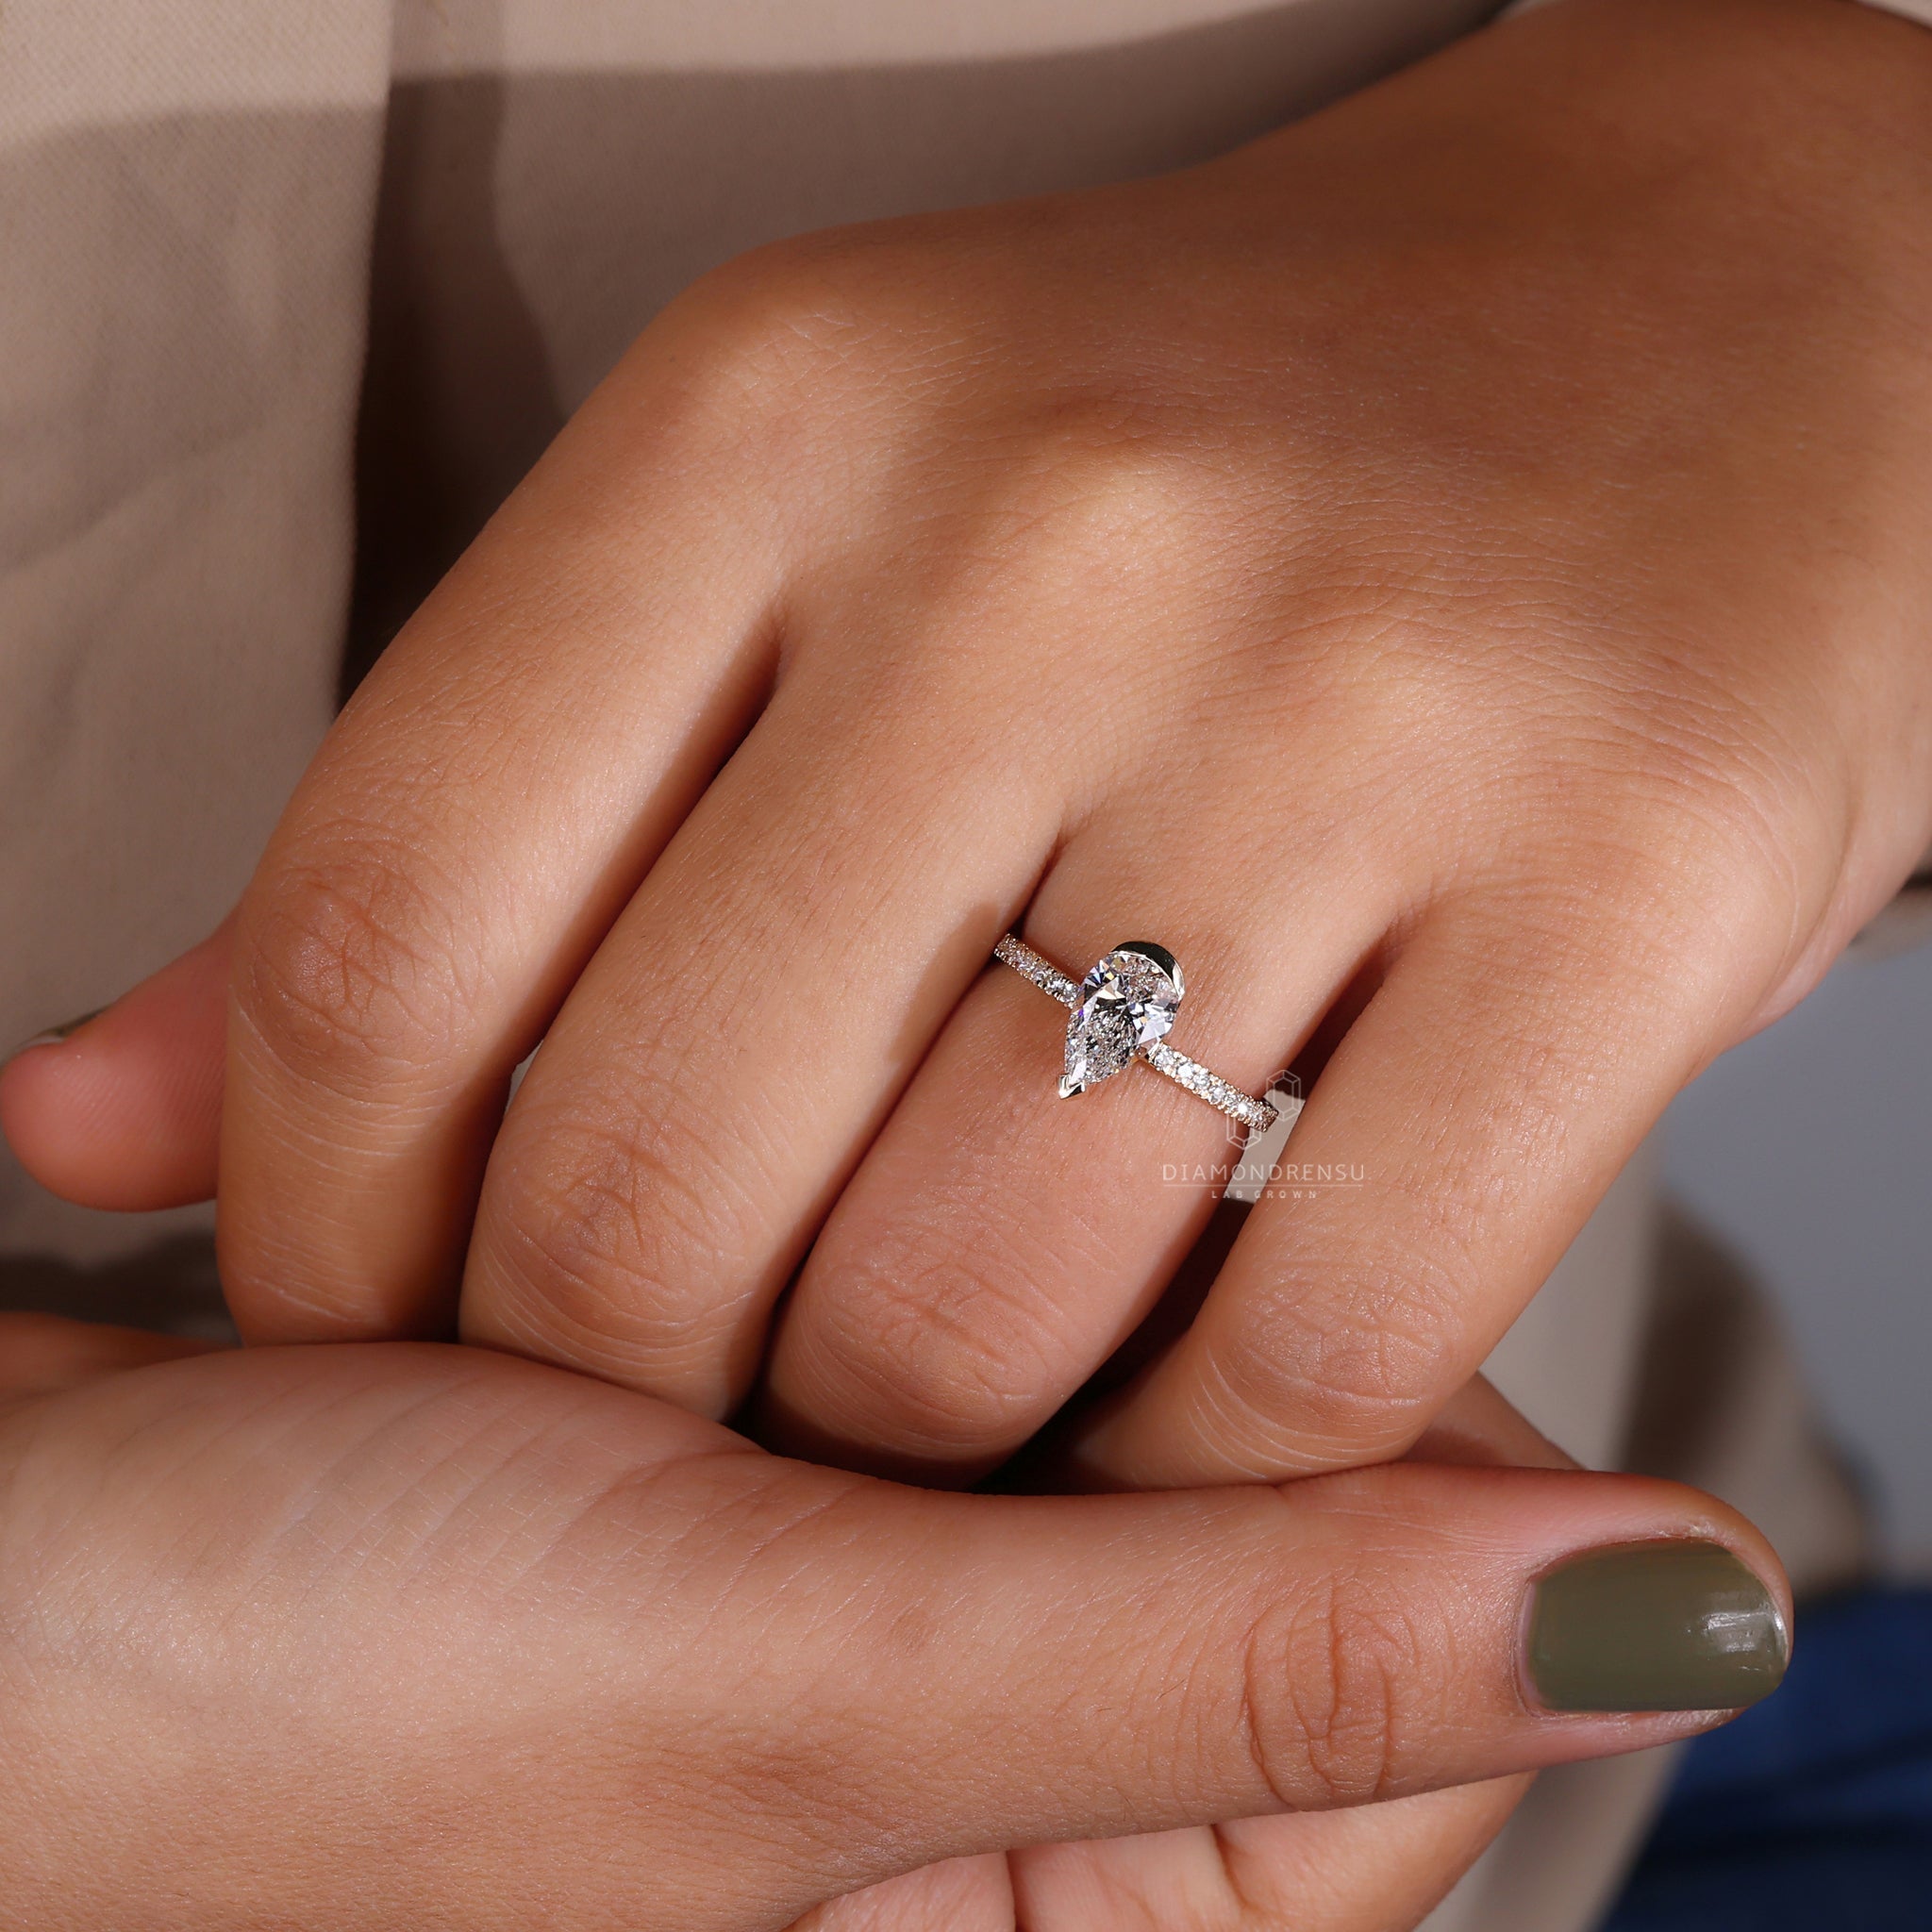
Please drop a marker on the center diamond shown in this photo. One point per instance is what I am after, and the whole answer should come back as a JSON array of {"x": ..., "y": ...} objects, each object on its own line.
[{"x": 1126, "y": 1002}]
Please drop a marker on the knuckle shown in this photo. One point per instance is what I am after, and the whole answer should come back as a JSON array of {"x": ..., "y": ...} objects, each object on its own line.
[
  {"x": 1325, "y": 1682},
  {"x": 618, "y": 1238},
  {"x": 1329, "y": 1379},
  {"x": 937, "y": 1354},
  {"x": 348, "y": 967},
  {"x": 765, "y": 334},
  {"x": 1085, "y": 479},
  {"x": 1674, "y": 784}
]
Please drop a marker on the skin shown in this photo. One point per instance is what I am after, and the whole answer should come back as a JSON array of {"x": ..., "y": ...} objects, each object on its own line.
[
  {"x": 1491, "y": 509},
  {"x": 1452, "y": 572},
  {"x": 363, "y": 1636}
]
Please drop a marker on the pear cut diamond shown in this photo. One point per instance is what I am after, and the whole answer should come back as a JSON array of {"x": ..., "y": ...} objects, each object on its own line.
[
  {"x": 1126, "y": 1003},
  {"x": 1107, "y": 1032}
]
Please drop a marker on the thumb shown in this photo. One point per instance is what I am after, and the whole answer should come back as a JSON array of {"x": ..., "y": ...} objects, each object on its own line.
[
  {"x": 123, "y": 1110},
  {"x": 445, "y": 1629},
  {"x": 1078, "y": 1668}
]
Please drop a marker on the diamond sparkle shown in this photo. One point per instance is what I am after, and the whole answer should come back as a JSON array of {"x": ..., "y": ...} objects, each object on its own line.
[
  {"x": 1126, "y": 1003},
  {"x": 1256, "y": 1115}
]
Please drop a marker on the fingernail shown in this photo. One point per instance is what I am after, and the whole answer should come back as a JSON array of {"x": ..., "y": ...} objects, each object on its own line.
[
  {"x": 54, "y": 1035},
  {"x": 1656, "y": 1626}
]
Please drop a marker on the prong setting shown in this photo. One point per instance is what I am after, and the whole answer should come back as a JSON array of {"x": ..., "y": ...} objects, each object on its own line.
[{"x": 1148, "y": 976}]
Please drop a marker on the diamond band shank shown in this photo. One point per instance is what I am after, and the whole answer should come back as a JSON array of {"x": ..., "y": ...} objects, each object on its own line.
[
  {"x": 1204, "y": 1084},
  {"x": 1042, "y": 973},
  {"x": 1256, "y": 1115}
]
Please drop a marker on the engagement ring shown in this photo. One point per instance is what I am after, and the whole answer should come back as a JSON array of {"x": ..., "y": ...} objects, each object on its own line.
[{"x": 1122, "y": 1012}]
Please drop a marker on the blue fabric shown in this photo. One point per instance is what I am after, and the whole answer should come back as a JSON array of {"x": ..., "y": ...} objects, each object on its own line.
[{"x": 1812, "y": 1812}]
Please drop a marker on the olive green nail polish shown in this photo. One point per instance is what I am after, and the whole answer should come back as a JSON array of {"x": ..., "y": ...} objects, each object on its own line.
[
  {"x": 54, "y": 1035},
  {"x": 1654, "y": 1627}
]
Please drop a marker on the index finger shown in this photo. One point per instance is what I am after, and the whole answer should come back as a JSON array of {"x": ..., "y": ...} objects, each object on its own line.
[{"x": 473, "y": 825}]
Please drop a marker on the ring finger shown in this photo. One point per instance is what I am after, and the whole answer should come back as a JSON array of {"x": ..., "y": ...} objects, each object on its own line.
[{"x": 999, "y": 1241}]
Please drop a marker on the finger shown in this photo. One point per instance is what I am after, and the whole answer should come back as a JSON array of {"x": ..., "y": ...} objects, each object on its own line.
[
  {"x": 473, "y": 825},
  {"x": 957, "y": 1895},
  {"x": 1456, "y": 1141},
  {"x": 864, "y": 1678},
  {"x": 999, "y": 1242},
  {"x": 125, "y": 1111},
  {"x": 1362, "y": 1870},
  {"x": 1366, "y": 1869},
  {"x": 1355, "y": 1640},
  {"x": 1479, "y": 1427},
  {"x": 734, "y": 1044},
  {"x": 41, "y": 1354},
  {"x": 722, "y": 1062},
  {"x": 1352, "y": 1871}
]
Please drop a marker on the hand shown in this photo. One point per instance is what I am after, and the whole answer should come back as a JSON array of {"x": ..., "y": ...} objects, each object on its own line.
[
  {"x": 1534, "y": 804},
  {"x": 1364, "y": 1869},
  {"x": 1456, "y": 566},
  {"x": 380, "y": 1636},
  {"x": 1377, "y": 1868}
]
